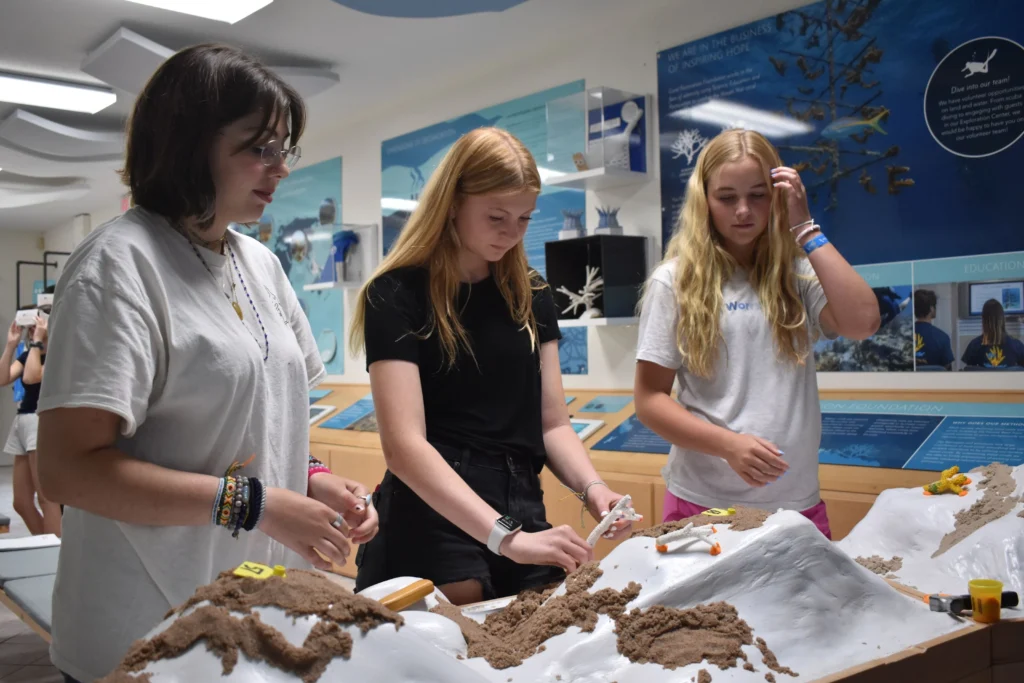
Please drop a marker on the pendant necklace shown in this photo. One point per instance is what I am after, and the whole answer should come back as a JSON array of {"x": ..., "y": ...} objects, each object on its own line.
[{"x": 232, "y": 297}]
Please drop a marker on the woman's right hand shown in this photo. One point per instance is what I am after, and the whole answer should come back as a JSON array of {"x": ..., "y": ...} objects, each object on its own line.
[
  {"x": 756, "y": 460},
  {"x": 302, "y": 524},
  {"x": 557, "y": 547},
  {"x": 13, "y": 334}
]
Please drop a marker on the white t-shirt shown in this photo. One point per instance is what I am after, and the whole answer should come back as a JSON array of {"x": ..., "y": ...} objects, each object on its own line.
[
  {"x": 141, "y": 329},
  {"x": 751, "y": 390}
]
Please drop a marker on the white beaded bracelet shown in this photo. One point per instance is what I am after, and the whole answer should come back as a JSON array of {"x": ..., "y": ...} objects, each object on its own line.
[{"x": 807, "y": 231}]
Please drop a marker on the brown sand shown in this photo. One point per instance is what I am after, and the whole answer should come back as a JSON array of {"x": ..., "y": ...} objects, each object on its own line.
[
  {"x": 745, "y": 519},
  {"x": 679, "y": 637},
  {"x": 301, "y": 594},
  {"x": 881, "y": 566},
  {"x": 508, "y": 637},
  {"x": 748, "y": 666},
  {"x": 771, "y": 661},
  {"x": 997, "y": 501},
  {"x": 703, "y": 676},
  {"x": 769, "y": 677}
]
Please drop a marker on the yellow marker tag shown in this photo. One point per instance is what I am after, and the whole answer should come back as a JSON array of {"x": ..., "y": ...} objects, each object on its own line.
[
  {"x": 719, "y": 512},
  {"x": 253, "y": 570}
]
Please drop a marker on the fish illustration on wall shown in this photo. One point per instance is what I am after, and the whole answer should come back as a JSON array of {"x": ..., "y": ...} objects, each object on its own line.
[{"x": 853, "y": 125}]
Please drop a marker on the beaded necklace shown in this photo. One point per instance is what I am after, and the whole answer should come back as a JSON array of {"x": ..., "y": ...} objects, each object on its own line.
[{"x": 234, "y": 302}]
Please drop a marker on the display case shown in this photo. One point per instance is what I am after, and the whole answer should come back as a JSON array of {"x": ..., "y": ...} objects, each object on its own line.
[
  {"x": 600, "y": 274},
  {"x": 598, "y": 138},
  {"x": 353, "y": 255}
]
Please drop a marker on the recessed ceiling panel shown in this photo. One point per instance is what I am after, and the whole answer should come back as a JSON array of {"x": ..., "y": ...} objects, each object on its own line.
[
  {"x": 19, "y": 193},
  {"x": 125, "y": 60},
  {"x": 35, "y": 133},
  {"x": 16, "y": 159},
  {"x": 307, "y": 81}
]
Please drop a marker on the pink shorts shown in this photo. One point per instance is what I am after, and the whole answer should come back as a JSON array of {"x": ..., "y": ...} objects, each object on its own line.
[{"x": 677, "y": 508}]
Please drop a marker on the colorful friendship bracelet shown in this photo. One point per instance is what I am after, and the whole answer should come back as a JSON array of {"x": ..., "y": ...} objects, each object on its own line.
[{"x": 240, "y": 502}]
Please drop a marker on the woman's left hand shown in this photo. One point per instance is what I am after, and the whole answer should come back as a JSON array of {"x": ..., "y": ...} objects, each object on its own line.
[
  {"x": 793, "y": 188},
  {"x": 603, "y": 499},
  {"x": 350, "y": 499}
]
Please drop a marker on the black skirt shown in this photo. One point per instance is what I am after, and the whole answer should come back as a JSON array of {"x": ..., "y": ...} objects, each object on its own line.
[{"x": 414, "y": 540}]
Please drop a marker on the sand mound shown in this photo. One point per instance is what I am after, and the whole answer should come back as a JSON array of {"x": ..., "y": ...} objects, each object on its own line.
[
  {"x": 881, "y": 566},
  {"x": 998, "y": 501},
  {"x": 301, "y": 594},
  {"x": 745, "y": 519},
  {"x": 518, "y": 632}
]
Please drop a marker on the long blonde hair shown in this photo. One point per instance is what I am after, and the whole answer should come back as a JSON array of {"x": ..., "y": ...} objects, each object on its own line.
[
  {"x": 703, "y": 265},
  {"x": 483, "y": 161}
]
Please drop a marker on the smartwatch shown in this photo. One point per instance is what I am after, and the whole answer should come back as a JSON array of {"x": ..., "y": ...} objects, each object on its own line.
[
  {"x": 503, "y": 526},
  {"x": 36, "y": 345}
]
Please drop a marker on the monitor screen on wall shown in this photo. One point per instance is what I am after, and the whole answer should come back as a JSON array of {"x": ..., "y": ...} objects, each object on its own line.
[{"x": 1009, "y": 294}]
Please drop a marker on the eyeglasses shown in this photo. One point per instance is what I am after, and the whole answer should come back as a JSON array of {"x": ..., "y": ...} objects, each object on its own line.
[{"x": 272, "y": 151}]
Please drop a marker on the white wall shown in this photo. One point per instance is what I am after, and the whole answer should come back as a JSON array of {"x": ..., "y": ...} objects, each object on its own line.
[{"x": 14, "y": 247}]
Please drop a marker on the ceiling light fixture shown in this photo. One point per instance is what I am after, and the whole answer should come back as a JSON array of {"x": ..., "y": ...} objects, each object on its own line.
[
  {"x": 43, "y": 92},
  {"x": 229, "y": 11}
]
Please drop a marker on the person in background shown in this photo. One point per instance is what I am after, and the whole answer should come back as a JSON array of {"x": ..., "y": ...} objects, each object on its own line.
[
  {"x": 747, "y": 284},
  {"x": 21, "y": 442},
  {"x": 174, "y": 419},
  {"x": 931, "y": 345},
  {"x": 461, "y": 340},
  {"x": 994, "y": 348}
]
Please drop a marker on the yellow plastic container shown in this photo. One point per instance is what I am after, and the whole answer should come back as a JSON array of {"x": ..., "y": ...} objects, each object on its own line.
[{"x": 986, "y": 600}]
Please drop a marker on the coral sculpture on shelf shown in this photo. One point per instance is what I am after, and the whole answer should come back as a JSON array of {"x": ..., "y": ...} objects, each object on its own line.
[
  {"x": 608, "y": 223},
  {"x": 572, "y": 225},
  {"x": 950, "y": 481},
  {"x": 592, "y": 289}
]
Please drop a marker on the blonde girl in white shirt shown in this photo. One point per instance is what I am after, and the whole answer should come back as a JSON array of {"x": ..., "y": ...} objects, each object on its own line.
[{"x": 748, "y": 282}]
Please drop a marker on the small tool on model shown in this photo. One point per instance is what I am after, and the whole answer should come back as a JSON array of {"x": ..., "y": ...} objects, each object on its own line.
[{"x": 955, "y": 604}]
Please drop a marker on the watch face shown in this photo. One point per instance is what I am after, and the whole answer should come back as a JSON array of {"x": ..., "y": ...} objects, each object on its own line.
[{"x": 508, "y": 523}]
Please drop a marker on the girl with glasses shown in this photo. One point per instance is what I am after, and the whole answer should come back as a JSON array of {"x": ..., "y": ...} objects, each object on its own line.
[{"x": 174, "y": 416}]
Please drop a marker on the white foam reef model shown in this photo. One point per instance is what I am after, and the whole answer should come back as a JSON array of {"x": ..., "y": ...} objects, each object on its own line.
[
  {"x": 780, "y": 602},
  {"x": 938, "y": 543}
]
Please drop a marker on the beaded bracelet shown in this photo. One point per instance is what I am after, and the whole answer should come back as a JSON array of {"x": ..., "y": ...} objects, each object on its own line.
[
  {"x": 813, "y": 227},
  {"x": 241, "y": 507},
  {"x": 316, "y": 466},
  {"x": 818, "y": 241}
]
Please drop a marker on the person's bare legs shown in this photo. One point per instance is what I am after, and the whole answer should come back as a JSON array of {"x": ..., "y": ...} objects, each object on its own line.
[
  {"x": 51, "y": 511},
  {"x": 25, "y": 495},
  {"x": 463, "y": 592}
]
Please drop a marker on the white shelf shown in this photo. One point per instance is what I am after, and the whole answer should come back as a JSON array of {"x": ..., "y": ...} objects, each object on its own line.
[
  {"x": 318, "y": 286},
  {"x": 598, "y": 322},
  {"x": 598, "y": 178}
]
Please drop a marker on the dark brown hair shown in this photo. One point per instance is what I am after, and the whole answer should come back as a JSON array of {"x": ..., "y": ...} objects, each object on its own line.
[
  {"x": 993, "y": 323},
  {"x": 191, "y": 97},
  {"x": 925, "y": 301}
]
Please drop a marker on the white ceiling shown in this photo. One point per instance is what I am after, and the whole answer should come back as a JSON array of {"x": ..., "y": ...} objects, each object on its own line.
[{"x": 379, "y": 60}]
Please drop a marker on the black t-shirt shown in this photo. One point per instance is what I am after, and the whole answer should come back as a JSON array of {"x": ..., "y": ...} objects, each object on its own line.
[
  {"x": 1005, "y": 355},
  {"x": 31, "y": 399},
  {"x": 932, "y": 345},
  {"x": 492, "y": 405}
]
